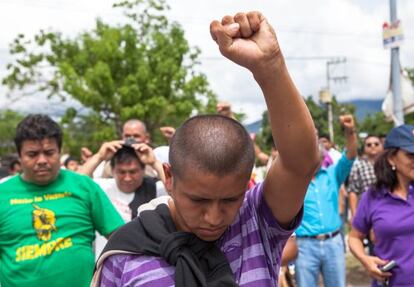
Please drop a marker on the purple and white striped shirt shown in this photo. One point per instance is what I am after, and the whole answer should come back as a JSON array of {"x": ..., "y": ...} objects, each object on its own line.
[{"x": 253, "y": 245}]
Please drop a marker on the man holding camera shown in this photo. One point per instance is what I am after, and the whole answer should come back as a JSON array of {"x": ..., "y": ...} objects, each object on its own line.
[{"x": 129, "y": 187}]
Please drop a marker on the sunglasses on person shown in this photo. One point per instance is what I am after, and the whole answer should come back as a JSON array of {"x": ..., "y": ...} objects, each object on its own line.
[{"x": 372, "y": 144}]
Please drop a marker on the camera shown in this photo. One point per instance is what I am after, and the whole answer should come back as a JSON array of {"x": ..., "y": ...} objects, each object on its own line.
[
  {"x": 129, "y": 142},
  {"x": 387, "y": 267}
]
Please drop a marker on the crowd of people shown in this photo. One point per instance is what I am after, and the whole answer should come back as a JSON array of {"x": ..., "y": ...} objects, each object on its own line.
[{"x": 193, "y": 213}]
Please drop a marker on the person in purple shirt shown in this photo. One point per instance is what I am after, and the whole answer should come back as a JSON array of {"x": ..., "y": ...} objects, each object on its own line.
[
  {"x": 211, "y": 232},
  {"x": 387, "y": 209}
]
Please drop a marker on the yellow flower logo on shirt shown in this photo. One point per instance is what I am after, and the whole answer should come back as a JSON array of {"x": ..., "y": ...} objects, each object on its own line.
[{"x": 43, "y": 222}]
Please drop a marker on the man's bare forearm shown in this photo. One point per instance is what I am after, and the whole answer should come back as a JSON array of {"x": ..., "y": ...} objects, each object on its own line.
[
  {"x": 90, "y": 165},
  {"x": 351, "y": 144},
  {"x": 294, "y": 132},
  {"x": 290, "y": 120}
]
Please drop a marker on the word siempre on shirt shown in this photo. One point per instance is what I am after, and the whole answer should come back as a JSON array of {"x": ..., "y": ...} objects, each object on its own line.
[{"x": 29, "y": 252}]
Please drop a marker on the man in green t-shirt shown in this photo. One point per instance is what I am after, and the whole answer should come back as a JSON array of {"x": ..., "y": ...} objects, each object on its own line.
[{"x": 48, "y": 216}]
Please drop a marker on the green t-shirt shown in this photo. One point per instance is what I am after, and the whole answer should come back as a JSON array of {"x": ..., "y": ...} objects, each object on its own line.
[{"x": 46, "y": 232}]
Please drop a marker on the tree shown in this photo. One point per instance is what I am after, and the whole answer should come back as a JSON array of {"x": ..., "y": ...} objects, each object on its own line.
[
  {"x": 320, "y": 117},
  {"x": 8, "y": 122},
  {"x": 376, "y": 124},
  {"x": 141, "y": 69},
  {"x": 84, "y": 131},
  {"x": 410, "y": 74}
]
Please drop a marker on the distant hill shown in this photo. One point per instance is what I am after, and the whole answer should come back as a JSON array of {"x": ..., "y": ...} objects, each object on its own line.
[
  {"x": 253, "y": 127},
  {"x": 366, "y": 107}
]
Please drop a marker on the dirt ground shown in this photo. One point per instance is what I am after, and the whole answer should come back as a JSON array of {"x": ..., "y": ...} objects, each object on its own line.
[{"x": 355, "y": 273}]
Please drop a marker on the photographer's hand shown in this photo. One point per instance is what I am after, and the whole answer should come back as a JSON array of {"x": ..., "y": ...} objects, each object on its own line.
[
  {"x": 106, "y": 152},
  {"x": 145, "y": 153},
  {"x": 147, "y": 157},
  {"x": 108, "y": 149}
]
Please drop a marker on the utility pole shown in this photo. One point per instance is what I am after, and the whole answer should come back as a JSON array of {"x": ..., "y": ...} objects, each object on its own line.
[
  {"x": 325, "y": 95},
  {"x": 395, "y": 73}
]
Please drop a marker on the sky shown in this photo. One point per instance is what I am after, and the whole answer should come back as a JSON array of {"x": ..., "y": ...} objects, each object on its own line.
[{"x": 310, "y": 33}]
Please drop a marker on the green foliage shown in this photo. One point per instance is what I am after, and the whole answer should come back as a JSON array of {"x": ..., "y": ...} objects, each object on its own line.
[
  {"x": 84, "y": 131},
  {"x": 8, "y": 123},
  {"x": 320, "y": 117},
  {"x": 319, "y": 114},
  {"x": 142, "y": 69},
  {"x": 376, "y": 124},
  {"x": 410, "y": 74},
  {"x": 264, "y": 138}
]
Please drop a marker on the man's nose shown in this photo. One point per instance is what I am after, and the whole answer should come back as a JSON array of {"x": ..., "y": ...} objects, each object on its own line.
[
  {"x": 41, "y": 159},
  {"x": 127, "y": 177},
  {"x": 213, "y": 215}
]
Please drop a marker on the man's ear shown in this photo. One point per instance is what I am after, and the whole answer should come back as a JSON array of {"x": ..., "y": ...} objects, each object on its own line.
[{"x": 169, "y": 181}]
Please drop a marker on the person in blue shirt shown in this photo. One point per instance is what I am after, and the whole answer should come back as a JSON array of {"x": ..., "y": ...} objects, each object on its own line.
[{"x": 321, "y": 248}]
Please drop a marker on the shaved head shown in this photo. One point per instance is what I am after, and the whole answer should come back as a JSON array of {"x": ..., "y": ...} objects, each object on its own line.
[
  {"x": 135, "y": 129},
  {"x": 135, "y": 122},
  {"x": 213, "y": 144}
]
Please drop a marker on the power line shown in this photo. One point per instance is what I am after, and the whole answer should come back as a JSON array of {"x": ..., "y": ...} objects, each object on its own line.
[{"x": 198, "y": 21}]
